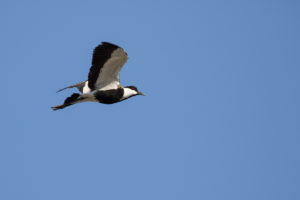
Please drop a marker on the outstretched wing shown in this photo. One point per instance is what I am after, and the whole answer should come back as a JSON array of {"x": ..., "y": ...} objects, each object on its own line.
[
  {"x": 79, "y": 86},
  {"x": 108, "y": 60}
]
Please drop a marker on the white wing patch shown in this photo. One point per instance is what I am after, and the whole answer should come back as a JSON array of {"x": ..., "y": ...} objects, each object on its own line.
[
  {"x": 109, "y": 77},
  {"x": 86, "y": 88}
]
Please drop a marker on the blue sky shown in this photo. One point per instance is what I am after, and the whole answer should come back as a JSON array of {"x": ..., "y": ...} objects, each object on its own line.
[{"x": 220, "y": 119}]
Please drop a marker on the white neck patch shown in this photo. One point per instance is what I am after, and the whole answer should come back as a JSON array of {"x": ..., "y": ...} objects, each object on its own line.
[{"x": 128, "y": 93}]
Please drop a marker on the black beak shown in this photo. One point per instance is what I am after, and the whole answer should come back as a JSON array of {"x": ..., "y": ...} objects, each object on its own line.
[{"x": 140, "y": 93}]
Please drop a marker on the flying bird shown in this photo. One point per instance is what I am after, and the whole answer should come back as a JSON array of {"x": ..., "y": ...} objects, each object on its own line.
[{"x": 103, "y": 84}]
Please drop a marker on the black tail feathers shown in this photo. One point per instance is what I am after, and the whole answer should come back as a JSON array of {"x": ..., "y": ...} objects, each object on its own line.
[
  {"x": 72, "y": 98},
  {"x": 68, "y": 102}
]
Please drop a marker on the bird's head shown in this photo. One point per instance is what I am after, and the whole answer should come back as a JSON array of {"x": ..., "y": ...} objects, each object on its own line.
[
  {"x": 135, "y": 90},
  {"x": 130, "y": 91}
]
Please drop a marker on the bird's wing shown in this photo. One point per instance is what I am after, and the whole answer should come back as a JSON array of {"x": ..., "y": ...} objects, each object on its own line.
[
  {"x": 107, "y": 62},
  {"x": 78, "y": 85}
]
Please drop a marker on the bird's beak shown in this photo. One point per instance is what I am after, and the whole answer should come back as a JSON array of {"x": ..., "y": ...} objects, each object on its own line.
[{"x": 140, "y": 93}]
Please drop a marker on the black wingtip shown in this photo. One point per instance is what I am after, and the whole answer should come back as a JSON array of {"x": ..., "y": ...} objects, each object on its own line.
[
  {"x": 109, "y": 44},
  {"x": 61, "y": 90}
]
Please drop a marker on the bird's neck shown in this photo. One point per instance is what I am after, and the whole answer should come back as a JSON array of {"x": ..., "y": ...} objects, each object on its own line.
[{"x": 128, "y": 93}]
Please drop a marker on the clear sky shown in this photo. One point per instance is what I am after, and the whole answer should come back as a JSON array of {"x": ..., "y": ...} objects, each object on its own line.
[{"x": 221, "y": 119}]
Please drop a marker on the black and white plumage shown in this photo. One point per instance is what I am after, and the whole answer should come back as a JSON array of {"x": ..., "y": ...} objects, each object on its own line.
[{"x": 103, "y": 84}]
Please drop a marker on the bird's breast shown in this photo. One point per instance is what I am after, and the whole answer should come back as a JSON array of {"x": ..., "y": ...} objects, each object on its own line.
[{"x": 109, "y": 96}]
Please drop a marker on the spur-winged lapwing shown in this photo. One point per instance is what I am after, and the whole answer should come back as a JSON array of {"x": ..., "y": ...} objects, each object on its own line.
[{"x": 103, "y": 84}]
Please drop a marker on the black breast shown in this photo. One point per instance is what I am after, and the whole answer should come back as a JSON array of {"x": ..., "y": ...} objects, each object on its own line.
[{"x": 109, "y": 96}]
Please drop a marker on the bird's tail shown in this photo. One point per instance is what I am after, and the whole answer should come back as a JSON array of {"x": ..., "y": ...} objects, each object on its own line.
[{"x": 68, "y": 102}]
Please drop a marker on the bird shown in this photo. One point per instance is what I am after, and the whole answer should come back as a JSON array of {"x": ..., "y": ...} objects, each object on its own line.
[{"x": 103, "y": 84}]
